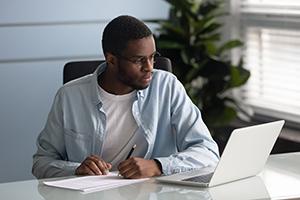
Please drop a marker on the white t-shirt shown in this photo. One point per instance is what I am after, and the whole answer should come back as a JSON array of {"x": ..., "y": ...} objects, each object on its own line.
[{"x": 121, "y": 125}]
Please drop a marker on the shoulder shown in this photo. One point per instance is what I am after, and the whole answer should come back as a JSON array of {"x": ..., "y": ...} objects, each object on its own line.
[
  {"x": 85, "y": 80},
  {"x": 161, "y": 76},
  {"x": 77, "y": 86},
  {"x": 166, "y": 79}
]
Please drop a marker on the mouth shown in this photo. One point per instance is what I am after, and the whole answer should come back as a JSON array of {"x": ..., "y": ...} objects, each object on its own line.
[{"x": 147, "y": 77}]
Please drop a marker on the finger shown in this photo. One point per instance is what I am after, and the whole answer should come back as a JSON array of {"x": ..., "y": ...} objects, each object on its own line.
[
  {"x": 88, "y": 171},
  {"x": 109, "y": 165},
  {"x": 124, "y": 170},
  {"x": 96, "y": 157},
  {"x": 128, "y": 169},
  {"x": 125, "y": 164},
  {"x": 93, "y": 167},
  {"x": 131, "y": 173},
  {"x": 101, "y": 164},
  {"x": 84, "y": 170}
]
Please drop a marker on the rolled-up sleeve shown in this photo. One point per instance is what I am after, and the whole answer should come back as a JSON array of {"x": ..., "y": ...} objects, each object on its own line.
[{"x": 196, "y": 147}]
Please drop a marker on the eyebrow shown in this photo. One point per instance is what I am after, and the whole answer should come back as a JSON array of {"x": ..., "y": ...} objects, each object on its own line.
[{"x": 141, "y": 56}]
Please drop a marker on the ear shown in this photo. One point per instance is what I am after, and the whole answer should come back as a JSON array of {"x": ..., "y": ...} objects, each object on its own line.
[{"x": 110, "y": 59}]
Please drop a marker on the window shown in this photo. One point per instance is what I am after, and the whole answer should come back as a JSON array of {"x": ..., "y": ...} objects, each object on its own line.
[{"x": 270, "y": 30}]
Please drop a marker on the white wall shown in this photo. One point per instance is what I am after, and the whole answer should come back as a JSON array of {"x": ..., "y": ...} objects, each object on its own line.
[{"x": 36, "y": 38}]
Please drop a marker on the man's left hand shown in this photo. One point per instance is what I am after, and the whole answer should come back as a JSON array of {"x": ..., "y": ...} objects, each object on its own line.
[{"x": 135, "y": 167}]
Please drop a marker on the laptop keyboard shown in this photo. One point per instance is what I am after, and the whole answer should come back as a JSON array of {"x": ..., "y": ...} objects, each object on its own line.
[{"x": 204, "y": 178}]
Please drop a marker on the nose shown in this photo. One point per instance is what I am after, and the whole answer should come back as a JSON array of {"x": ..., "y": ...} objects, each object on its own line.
[{"x": 148, "y": 65}]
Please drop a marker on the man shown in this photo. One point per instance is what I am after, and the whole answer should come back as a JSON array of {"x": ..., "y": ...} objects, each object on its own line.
[{"x": 97, "y": 119}]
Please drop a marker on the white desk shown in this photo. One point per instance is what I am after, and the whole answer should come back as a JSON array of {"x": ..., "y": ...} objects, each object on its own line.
[{"x": 279, "y": 180}]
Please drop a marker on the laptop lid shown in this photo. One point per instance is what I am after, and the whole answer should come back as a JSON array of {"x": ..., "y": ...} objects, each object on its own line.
[
  {"x": 246, "y": 152},
  {"x": 245, "y": 155}
]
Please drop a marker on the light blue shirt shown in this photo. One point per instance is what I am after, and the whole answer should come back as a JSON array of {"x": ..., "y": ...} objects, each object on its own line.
[{"x": 170, "y": 127}]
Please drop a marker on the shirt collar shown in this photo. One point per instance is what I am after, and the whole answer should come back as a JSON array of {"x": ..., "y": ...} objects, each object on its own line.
[{"x": 95, "y": 91}]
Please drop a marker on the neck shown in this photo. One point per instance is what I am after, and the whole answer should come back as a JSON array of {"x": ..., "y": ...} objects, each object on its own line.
[{"x": 109, "y": 82}]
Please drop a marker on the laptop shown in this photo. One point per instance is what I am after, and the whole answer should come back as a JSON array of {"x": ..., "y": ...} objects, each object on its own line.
[{"x": 245, "y": 155}]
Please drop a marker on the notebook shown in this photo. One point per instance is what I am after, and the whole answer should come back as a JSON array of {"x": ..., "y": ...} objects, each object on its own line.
[{"x": 245, "y": 155}]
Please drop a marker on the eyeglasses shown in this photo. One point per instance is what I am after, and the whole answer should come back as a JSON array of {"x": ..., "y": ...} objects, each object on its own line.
[{"x": 141, "y": 60}]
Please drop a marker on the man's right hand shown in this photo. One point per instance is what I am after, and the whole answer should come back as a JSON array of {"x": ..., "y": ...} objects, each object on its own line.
[{"x": 93, "y": 165}]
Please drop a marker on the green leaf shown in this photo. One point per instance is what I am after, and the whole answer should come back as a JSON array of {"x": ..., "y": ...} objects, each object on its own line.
[
  {"x": 210, "y": 47},
  {"x": 229, "y": 45},
  {"x": 174, "y": 30},
  {"x": 185, "y": 57},
  {"x": 239, "y": 76},
  {"x": 207, "y": 37},
  {"x": 184, "y": 6},
  {"x": 165, "y": 44},
  {"x": 211, "y": 28},
  {"x": 221, "y": 117}
]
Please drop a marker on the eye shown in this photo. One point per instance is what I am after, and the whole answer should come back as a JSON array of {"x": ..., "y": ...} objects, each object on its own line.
[
  {"x": 152, "y": 56},
  {"x": 139, "y": 60}
]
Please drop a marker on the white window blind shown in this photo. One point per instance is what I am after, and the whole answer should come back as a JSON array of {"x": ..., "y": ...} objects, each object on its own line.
[
  {"x": 279, "y": 7},
  {"x": 271, "y": 34}
]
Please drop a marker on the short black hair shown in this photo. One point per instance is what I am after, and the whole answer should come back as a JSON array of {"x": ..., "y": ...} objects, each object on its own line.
[{"x": 120, "y": 31}]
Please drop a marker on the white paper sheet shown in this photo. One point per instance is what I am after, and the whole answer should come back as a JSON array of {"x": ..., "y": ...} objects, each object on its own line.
[{"x": 93, "y": 183}]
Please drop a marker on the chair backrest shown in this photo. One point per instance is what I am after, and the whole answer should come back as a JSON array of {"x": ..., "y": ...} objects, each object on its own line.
[{"x": 77, "y": 69}]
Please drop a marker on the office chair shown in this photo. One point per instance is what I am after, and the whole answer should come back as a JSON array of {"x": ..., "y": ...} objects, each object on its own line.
[{"x": 77, "y": 69}]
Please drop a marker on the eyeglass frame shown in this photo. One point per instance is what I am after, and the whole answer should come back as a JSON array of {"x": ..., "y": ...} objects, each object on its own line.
[{"x": 142, "y": 60}]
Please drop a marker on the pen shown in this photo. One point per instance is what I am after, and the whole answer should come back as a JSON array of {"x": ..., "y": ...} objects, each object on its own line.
[
  {"x": 131, "y": 151},
  {"x": 129, "y": 154}
]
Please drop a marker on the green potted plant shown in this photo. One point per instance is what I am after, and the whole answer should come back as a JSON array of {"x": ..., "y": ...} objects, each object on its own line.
[{"x": 190, "y": 37}]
